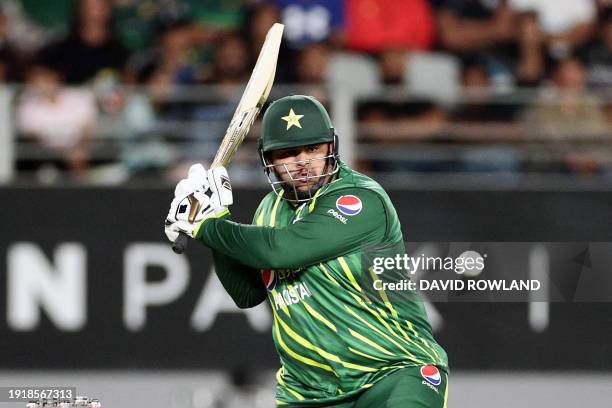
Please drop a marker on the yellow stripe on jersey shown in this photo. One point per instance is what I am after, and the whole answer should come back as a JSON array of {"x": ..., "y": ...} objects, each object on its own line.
[
  {"x": 279, "y": 402},
  {"x": 408, "y": 353},
  {"x": 385, "y": 298},
  {"x": 425, "y": 342},
  {"x": 314, "y": 200},
  {"x": 370, "y": 342},
  {"x": 383, "y": 322},
  {"x": 318, "y": 316},
  {"x": 295, "y": 393},
  {"x": 361, "y": 353},
  {"x": 260, "y": 219},
  {"x": 326, "y": 355},
  {"x": 348, "y": 273},
  {"x": 392, "y": 367},
  {"x": 406, "y": 338},
  {"x": 446, "y": 393},
  {"x": 298, "y": 357},
  {"x": 326, "y": 272},
  {"x": 280, "y": 380},
  {"x": 377, "y": 316},
  {"x": 275, "y": 207}
]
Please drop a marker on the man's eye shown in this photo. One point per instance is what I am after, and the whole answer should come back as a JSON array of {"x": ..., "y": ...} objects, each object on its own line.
[{"x": 313, "y": 148}]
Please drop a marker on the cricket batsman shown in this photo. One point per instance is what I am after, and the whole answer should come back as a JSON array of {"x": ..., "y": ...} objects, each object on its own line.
[{"x": 341, "y": 344}]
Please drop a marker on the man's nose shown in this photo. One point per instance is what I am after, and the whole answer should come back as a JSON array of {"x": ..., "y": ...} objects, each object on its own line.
[{"x": 302, "y": 157}]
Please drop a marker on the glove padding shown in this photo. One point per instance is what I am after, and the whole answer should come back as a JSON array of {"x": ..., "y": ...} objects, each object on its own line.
[{"x": 202, "y": 195}]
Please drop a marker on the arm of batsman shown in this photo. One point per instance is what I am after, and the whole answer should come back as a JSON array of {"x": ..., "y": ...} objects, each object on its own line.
[{"x": 201, "y": 196}]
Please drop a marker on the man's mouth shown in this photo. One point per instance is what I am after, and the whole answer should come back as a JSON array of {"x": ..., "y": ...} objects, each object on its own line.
[{"x": 301, "y": 177}]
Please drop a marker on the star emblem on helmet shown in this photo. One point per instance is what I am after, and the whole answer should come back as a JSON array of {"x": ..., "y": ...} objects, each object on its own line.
[{"x": 292, "y": 119}]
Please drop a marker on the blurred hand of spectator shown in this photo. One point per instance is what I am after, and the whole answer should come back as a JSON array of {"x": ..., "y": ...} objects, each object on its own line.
[
  {"x": 60, "y": 119},
  {"x": 566, "y": 23},
  {"x": 474, "y": 25},
  {"x": 531, "y": 40}
]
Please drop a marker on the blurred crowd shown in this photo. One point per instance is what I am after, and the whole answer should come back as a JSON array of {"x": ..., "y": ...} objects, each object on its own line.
[{"x": 434, "y": 49}]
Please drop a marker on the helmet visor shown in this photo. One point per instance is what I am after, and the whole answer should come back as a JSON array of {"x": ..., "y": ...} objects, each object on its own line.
[{"x": 297, "y": 181}]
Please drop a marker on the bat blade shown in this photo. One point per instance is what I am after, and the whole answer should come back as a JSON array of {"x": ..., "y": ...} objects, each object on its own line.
[{"x": 254, "y": 96}]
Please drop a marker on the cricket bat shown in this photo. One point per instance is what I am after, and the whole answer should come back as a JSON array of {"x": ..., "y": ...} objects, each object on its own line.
[{"x": 254, "y": 96}]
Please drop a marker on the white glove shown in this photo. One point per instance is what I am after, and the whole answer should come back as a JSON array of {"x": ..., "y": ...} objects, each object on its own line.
[{"x": 206, "y": 193}]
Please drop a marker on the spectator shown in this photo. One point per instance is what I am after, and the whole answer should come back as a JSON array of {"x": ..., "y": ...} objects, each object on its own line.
[
  {"x": 137, "y": 24},
  {"x": 566, "y": 24},
  {"x": 392, "y": 66},
  {"x": 231, "y": 70},
  {"x": 220, "y": 15},
  {"x": 311, "y": 21},
  {"x": 374, "y": 26},
  {"x": 7, "y": 55},
  {"x": 91, "y": 43},
  {"x": 259, "y": 19},
  {"x": 483, "y": 29},
  {"x": 566, "y": 111},
  {"x": 482, "y": 104},
  {"x": 532, "y": 56},
  {"x": 172, "y": 63},
  {"x": 311, "y": 67},
  {"x": 58, "y": 118},
  {"x": 474, "y": 25},
  {"x": 232, "y": 63},
  {"x": 598, "y": 55}
]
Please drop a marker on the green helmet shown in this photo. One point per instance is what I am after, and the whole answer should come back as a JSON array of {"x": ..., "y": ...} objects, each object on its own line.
[{"x": 295, "y": 121}]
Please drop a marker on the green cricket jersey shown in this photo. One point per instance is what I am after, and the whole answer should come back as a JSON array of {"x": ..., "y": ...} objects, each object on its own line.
[{"x": 335, "y": 336}]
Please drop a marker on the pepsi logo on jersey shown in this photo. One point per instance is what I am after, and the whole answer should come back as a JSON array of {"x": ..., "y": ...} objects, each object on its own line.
[
  {"x": 349, "y": 205},
  {"x": 269, "y": 278}
]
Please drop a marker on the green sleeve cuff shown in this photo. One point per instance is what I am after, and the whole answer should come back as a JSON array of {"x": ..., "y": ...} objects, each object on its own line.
[{"x": 197, "y": 233}]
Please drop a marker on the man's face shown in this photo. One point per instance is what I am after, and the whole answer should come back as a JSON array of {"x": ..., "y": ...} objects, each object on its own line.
[{"x": 301, "y": 167}]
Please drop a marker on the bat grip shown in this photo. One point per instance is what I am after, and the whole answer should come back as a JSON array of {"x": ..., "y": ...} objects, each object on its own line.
[{"x": 180, "y": 245}]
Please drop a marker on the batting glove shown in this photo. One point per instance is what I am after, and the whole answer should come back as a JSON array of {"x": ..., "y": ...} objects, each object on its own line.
[{"x": 202, "y": 195}]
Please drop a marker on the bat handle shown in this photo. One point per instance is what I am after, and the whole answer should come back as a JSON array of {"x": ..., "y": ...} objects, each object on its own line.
[{"x": 180, "y": 245}]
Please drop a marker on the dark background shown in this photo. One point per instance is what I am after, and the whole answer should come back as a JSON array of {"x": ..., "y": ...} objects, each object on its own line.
[{"x": 475, "y": 335}]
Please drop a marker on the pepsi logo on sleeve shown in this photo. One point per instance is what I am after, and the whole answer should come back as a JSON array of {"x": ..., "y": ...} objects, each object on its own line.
[
  {"x": 349, "y": 205},
  {"x": 431, "y": 374}
]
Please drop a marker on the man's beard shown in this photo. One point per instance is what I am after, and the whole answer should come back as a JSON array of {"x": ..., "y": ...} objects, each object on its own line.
[{"x": 312, "y": 190}]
